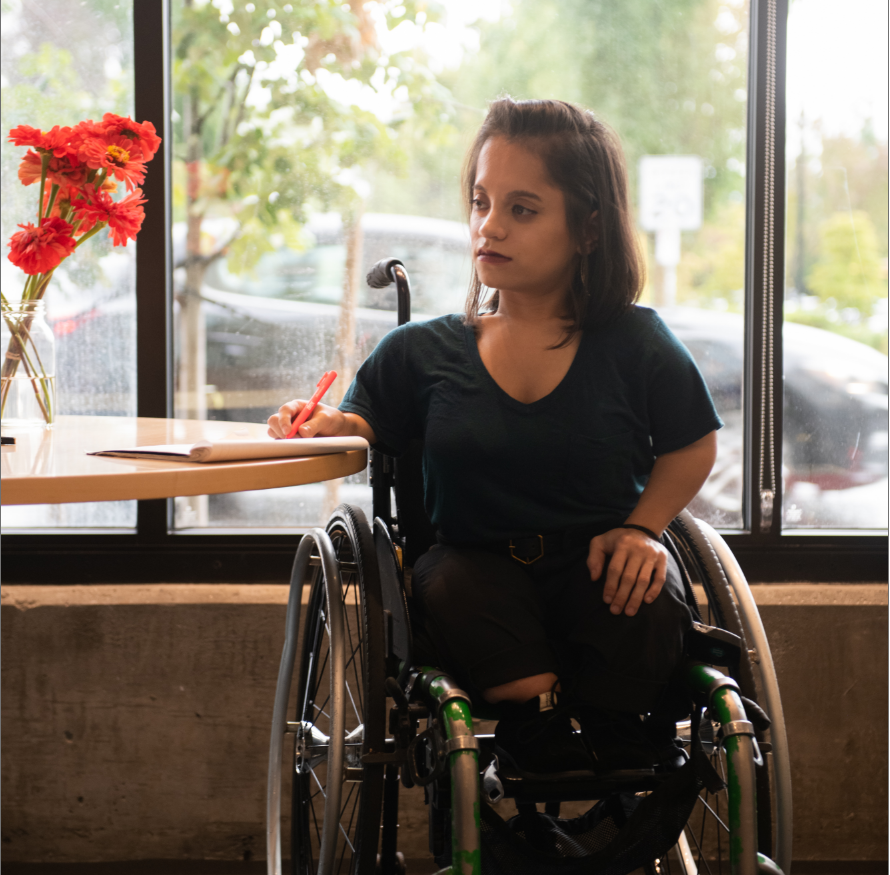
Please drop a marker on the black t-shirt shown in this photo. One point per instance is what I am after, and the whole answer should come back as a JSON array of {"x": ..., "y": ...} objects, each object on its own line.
[{"x": 496, "y": 468}]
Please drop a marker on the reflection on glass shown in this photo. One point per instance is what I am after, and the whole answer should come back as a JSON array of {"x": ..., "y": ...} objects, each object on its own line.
[
  {"x": 303, "y": 155},
  {"x": 60, "y": 69},
  {"x": 835, "y": 337}
]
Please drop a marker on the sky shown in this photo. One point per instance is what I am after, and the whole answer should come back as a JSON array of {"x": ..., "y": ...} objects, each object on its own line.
[{"x": 837, "y": 66}]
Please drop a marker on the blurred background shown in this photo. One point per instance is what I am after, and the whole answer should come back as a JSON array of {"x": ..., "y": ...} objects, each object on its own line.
[{"x": 310, "y": 140}]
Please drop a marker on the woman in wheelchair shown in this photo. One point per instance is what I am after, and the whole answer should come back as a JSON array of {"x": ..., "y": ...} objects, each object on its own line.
[{"x": 564, "y": 427}]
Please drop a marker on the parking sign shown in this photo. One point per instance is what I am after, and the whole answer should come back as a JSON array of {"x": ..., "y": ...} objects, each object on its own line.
[{"x": 670, "y": 192}]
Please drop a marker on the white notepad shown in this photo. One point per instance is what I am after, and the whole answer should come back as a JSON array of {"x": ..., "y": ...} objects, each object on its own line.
[{"x": 235, "y": 451}]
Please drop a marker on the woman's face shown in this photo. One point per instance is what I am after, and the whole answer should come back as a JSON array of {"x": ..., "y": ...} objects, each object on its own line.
[{"x": 520, "y": 237}]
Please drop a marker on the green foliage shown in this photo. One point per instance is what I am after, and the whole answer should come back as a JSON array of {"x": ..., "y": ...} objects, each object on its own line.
[
  {"x": 54, "y": 76},
  {"x": 670, "y": 78},
  {"x": 260, "y": 133},
  {"x": 713, "y": 261},
  {"x": 849, "y": 267},
  {"x": 846, "y": 174}
]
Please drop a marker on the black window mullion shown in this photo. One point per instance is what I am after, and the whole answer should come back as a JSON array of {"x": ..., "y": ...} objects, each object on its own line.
[
  {"x": 764, "y": 274},
  {"x": 154, "y": 373}
]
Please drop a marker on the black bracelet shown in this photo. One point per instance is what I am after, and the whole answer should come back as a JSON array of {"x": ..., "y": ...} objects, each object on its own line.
[{"x": 642, "y": 529}]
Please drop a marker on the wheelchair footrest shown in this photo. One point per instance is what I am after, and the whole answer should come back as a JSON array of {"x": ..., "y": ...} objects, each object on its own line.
[
  {"x": 579, "y": 787},
  {"x": 582, "y": 786}
]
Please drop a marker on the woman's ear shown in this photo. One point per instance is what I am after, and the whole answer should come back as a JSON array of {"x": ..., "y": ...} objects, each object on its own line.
[{"x": 591, "y": 234}]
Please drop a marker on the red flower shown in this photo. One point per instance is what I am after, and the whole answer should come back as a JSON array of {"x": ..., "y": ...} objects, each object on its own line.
[
  {"x": 144, "y": 141},
  {"x": 60, "y": 171},
  {"x": 40, "y": 250},
  {"x": 124, "y": 217},
  {"x": 112, "y": 152},
  {"x": 55, "y": 141},
  {"x": 30, "y": 168}
]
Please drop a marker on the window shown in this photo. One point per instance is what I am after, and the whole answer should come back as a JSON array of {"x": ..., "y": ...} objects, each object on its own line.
[
  {"x": 60, "y": 69},
  {"x": 835, "y": 334},
  {"x": 266, "y": 292},
  {"x": 302, "y": 143}
]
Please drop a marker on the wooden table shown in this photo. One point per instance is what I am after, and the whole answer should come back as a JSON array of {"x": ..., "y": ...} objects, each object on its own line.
[{"x": 51, "y": 466}]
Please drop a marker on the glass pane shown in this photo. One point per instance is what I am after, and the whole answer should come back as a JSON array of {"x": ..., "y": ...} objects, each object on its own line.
[
  {"x": 60, "y": 68},
  {"x": 301, "y": 147},
  {"x": 835, "y": 337}
]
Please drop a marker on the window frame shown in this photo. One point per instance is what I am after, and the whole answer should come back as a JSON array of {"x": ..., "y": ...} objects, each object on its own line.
[{"x": 156, "y": 553}]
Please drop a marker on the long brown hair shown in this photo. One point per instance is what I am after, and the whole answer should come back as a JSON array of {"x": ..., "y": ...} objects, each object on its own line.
[{"x": 585, "y": 160}]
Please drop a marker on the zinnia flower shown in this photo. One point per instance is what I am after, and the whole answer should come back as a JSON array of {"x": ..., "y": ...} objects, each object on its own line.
[
  {"x": 40, "y": 250},
  {"x": 124, "y": 217},
  {"x": 55, "y": 141},
  {"x": 144, "y": 142},
  {"x": 112, "y": 152},
  {"x": 60, "y": 171}
]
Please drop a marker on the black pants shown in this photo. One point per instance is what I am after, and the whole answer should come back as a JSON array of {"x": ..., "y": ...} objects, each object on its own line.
[{"x": 489, "y": 620}]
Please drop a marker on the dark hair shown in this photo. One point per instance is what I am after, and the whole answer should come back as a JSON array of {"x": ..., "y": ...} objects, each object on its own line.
[{"x": 584, "y": 159}]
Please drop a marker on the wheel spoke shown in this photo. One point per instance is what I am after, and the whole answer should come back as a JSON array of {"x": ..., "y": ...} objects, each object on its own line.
[
  {"x": 701, "y": 839},
  {"x": 314, "y": 677},
  {"x": 355, "y": 806},
  {"x": 320, "y": 707},
  {"x": 321, "y": 789},
  {"x": 356, "y": 668},
  {"x": 348, "y": 797},
  {"x": 351, "y": 846},
  {"x": 317, "y": 827},
  {"x": 351, "y": 699},
  {"x": 701, "y": 853},
  {"x": 348, "y": 843},
  {"x": 715, "y": 814}
]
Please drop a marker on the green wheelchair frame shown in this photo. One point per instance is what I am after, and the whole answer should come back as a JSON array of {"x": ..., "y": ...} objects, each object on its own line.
[{"x": 359, "y": 701}]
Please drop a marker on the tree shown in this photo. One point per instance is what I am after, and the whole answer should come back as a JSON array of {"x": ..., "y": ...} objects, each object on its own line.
[
  {"x": 259, "y": 138},
  {"x": 670, "y": 78},
  {"x": 848, "y": 268}
]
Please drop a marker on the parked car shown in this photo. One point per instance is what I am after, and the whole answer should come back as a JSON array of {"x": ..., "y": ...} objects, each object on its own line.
[{"x": 271, "y": 333}]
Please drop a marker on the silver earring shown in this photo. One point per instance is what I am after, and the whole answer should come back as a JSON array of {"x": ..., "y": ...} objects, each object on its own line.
[{"x": 583, "y": 270}]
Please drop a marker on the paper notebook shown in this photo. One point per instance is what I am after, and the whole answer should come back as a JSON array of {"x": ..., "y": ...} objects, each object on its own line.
[{"x": 235, "y": 451}]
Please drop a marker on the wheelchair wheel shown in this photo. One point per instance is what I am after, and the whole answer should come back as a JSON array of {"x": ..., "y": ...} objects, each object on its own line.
[
  {"x": 340, "y": 723},
  {"x": 704, "y": 846}
]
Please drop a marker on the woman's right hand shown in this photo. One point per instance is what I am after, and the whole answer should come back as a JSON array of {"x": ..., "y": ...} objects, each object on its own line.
[{"x": 325, "y": 421}]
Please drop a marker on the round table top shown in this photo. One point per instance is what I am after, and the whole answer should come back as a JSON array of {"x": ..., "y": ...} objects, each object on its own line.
[{"x": 51, "y": 466}]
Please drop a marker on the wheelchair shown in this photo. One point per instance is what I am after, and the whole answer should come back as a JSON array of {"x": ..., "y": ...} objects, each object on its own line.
[{"x": 359, "y": 701}]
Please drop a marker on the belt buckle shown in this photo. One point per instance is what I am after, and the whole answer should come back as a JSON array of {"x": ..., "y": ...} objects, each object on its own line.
[{"x": 528, "y": 561}]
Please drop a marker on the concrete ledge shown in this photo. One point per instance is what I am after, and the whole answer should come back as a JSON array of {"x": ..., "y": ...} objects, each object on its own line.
[
  {"x": 136, "y": 720},
  {"x": 25, "y": 597}
]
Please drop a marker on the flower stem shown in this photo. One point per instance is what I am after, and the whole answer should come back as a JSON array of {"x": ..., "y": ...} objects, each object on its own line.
[
  {"x": 94, "y": 230},
  {"x": 53, "y": 192},
  {"x": 16, "y": 352},
  {"x": 44, "y": 165}
]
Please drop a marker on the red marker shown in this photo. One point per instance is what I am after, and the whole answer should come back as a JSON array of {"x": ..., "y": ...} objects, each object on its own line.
[{"x": 323, "y": 385}]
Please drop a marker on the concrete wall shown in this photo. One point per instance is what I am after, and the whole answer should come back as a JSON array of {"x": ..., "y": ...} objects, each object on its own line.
[{"x": 135, "y": 720}]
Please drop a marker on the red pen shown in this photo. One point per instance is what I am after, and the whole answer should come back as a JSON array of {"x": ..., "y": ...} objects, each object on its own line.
[{"x": 323, "y": 385}]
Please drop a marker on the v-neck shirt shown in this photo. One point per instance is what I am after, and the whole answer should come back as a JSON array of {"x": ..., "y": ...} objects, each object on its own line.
[{"x": 495, "y": 467}]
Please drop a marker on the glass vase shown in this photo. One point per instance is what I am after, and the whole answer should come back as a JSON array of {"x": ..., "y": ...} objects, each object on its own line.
[{"x": 28, "y": 373}]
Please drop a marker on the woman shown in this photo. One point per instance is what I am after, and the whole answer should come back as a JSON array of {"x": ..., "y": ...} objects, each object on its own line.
[{"x": 564, "y": 428}]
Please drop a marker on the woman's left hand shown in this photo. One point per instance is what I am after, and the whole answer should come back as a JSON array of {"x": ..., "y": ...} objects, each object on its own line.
[{"x": 636, "y": 570}]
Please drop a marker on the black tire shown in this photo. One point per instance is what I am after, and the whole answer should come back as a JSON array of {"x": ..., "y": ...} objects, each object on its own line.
[
  {"x": 364, "y": 702},
  {"x": 706, "y": 833}
]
